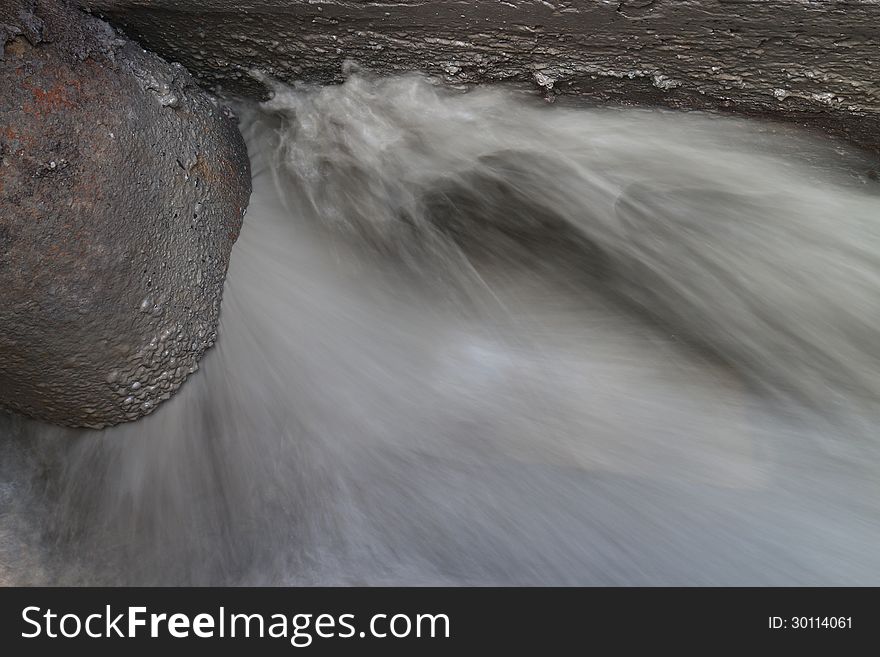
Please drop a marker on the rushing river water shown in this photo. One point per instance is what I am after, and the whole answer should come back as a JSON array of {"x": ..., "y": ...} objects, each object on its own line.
[{"x": 477, "y": 339}]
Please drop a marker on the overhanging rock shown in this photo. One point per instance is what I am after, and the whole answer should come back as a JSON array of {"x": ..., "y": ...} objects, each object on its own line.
[
  {"x": 122, "y": 191},
  {"x": 812, "y": 62}
]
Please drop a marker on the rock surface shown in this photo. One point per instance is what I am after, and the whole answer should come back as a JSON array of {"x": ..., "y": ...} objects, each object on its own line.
[
  {"x": 815, "y": 62},
  {"x": 122, "y": 191}
]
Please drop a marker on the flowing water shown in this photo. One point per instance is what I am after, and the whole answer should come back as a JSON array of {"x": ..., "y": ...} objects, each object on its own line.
[{"x": 473, "y": 338}]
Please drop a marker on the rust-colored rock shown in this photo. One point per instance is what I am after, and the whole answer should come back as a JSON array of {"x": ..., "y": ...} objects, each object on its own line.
[{"x": 122, "y": 191}]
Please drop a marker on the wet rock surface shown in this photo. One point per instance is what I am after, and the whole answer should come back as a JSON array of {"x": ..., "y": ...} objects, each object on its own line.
[
  {"x": 814, "y": 63},
  {"x": 122, "y": 191}
]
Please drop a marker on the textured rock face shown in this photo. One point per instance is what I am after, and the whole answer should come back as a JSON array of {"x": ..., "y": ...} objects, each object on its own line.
[
  {"x": 815, "y": 62},
  {"x": 122, "y": 190}
]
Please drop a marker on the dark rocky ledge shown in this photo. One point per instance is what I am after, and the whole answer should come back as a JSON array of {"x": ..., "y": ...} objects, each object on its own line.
[{"x": 816, "y": 62}]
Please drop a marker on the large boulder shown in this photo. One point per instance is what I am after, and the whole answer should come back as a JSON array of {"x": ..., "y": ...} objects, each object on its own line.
[
  {"x": 122, "y": 191},
  {"x": 812, "y": 62}
]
